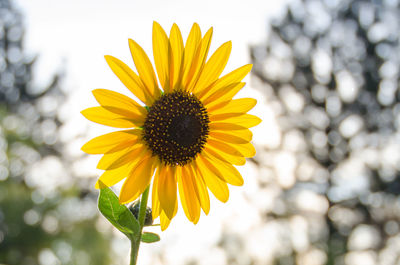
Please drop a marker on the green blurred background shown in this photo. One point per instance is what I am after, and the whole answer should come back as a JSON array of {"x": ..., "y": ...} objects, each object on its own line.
[{"x": 46, "y": 215}]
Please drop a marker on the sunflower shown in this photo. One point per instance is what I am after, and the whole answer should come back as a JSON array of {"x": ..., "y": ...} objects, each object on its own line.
[{"x": 187, "y": 134}]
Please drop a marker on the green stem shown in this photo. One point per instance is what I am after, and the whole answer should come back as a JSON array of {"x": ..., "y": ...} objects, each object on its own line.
[
  {"x": 135, "y": 242},
  {"x": 134, "y": 251}
]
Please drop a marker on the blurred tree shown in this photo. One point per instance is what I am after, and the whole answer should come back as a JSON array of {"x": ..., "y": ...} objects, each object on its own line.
[
  {"x": 330, "y": 72},
  {"x": 45, "y": 218}
]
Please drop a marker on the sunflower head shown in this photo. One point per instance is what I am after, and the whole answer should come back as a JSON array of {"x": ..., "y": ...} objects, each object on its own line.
[
  {"x": 186, "y": 133},
  {"x": 176, "y": 128}
]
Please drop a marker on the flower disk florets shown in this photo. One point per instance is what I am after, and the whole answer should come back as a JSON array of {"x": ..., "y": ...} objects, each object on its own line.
[{"x": 176, "y": 128}]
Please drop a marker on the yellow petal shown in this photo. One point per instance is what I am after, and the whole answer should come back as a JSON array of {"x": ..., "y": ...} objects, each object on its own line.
[
  {"x": 245, "y": 120},
  {"x": 223, "y": 147},
  {"x": 138, "y": 180},
  {"x": 223, "y": 116},
  {"x": 112, "y": 177},
  {"x": 233, "y": 77},
  {"x": 145, "y": 69},
  {"x": 223, "y": 126},
  {"x": 155, "y": 202},
  {"x": 160, "y": 53},
  {"x": 244, "y": 134},
  {"x": 224, "y": 171},
  {"x": 198, "y": 61},
  {"x": 217, "y": 186},
  {"x": 241, "y": 105},
  {"x": 192, "y": 42},
  {"x": 111, "y": 101},
  {"x": 214, "y": 67},
  {"x": 129, "y": 79},
  {"x": 202, "y": 194},
  {"x": 246, "y": 150},
  {"x": 167, "y": 190},
  {"x": 120, "y": 158},
  {"x": 114, "y": 141},
  {"x": 232, "y": 109},
  {"x": 229, "y": 138},
  {"x": 176, "y": 55},
  {"x": 164, "y": 221},
  {"x": 222, "y": 95},
  {"x": 102, "y": 116},
  {"x": 227, "y": 158},
  {"x": 187, "y": 192}
]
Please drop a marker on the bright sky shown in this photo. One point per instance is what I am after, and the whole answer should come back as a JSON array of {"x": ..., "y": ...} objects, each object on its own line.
[{"x": 79, "y": 33}]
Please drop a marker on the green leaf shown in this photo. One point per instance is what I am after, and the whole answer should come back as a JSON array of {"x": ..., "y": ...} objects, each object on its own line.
[
  {"x": 118, "y": 215},
  {"x": 148, "y": 237}
]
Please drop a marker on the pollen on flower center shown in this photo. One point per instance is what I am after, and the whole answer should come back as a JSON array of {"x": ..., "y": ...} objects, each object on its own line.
[{"x": 176, "y": 128}]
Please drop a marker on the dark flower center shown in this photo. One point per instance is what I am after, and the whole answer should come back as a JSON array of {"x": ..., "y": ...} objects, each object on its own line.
[{"x": 176, "y": 128}]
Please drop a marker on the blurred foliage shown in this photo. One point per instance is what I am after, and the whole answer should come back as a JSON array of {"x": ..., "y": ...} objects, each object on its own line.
[
  {"x": 330, "y": 74},
  {"x": 45, "y": 217}
]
